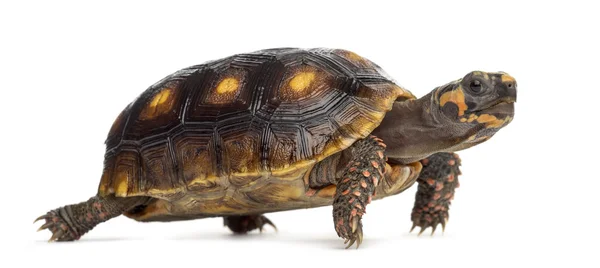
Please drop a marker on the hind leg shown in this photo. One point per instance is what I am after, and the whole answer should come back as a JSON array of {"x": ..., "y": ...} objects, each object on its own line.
[
  {"x": 437, "y": 182},
  {"x": 71, "y": 222},
  {"x": 244, "y": 224}
]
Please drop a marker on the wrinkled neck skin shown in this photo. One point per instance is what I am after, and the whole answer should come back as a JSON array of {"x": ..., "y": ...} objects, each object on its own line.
[{"x": 416, "y": 129}]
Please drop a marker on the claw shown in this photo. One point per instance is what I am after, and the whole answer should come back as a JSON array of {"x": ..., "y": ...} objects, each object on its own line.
[
  {"x": 39, "y": 218},
  {"x": 354, "y": 224},
  {"x": 269, "y": 222},
  {"x": 56, "y": 235},
  {"x": 422, "y": 230},
  {"x": 351, "y": 243},
  {"x": 444, "y": 226},
  {"x": 413, "y": 227},
  {"x": 45, "y": 226},
  {"x": 360, "y": 238},
  {"x": 433, "y": 229}
]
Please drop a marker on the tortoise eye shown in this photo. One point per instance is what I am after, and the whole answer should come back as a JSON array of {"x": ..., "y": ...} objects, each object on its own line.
[{"x": 476, "y": 86}]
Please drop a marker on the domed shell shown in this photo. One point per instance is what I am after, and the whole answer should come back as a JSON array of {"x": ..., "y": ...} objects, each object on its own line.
[{"x": 229, "y": 123}]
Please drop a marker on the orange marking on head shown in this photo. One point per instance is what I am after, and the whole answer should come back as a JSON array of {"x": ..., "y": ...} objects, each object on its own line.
[
  {"x": 507, "y": 78},
  {"x": 457, "y": 97},
  {"x": 492, "y": 121}
]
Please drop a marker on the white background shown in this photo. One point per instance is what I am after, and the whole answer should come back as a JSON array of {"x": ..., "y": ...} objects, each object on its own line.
[{"x": 528, "y": 197}]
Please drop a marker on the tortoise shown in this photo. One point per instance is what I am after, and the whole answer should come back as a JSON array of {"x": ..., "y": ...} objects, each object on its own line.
[{"x": 287, "y": 128}]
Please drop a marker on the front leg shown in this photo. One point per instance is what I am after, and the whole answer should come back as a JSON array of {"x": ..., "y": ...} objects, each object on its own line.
[
  {"x": 437, "y": 182},
  {"x": 356, "y": 187}
]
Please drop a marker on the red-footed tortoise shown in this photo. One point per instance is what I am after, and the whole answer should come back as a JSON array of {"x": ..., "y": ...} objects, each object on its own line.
[{"x": 284, "y": 129}]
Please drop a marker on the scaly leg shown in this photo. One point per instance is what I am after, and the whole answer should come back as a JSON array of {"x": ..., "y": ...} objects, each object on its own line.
[
  {"x": 356, "y": 187},
  {"x": 437, "y": 182},
  {"x": 70, "y": 222},
  {"x": 247, "y": 223}
]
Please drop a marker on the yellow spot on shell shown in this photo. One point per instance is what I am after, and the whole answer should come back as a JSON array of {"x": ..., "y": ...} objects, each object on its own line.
[
  {"x": 353, "y": 56},
  {"x": 457, "y": 97},
  {"x": 160, "y": 104},
  {"x": 228, "y": 85},
  {"x": 507, "y": 78},
  {"x": 463, "y": 120},
  {"x": 160, "y": 98},
  {"x": 122, "y": 185},
  {"x": 302, "y": 81}
]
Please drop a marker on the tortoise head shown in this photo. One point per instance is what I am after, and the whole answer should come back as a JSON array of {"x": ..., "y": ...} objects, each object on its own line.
[{"x": 475, "y": 107}]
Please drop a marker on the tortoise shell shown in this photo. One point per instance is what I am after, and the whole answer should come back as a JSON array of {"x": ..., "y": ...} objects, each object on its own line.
[{"x": 244, "y": 122}]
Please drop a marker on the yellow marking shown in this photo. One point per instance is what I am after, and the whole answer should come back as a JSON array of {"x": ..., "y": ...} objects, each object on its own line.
[
  {"x": 353, "y": 56},
  {"x": 463, "y": 120},
  {"x": 492, "y": 121},
  {"x": 160, "y": 98},
  {"x": 302, "y": 81},
  {"x": 457, "y": 97},
  {"x": 485, "y": 118},
  {"x": 327, "y": 192},
  {"x": 228, "y": 85},
  {"x": 472, "y": 117},
  {"x": 507, "y": 78},
  {"x": 122, "y": 183},
  {"x": 160, "y": 104},
  {"x": 209, "y": 181}
]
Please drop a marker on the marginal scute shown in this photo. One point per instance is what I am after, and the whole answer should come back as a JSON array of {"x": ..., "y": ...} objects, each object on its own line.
[{"x": 240, "y": 153}]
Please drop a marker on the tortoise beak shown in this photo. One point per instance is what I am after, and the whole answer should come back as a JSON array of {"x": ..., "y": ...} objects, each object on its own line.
[{"x": 502, "y": 108}]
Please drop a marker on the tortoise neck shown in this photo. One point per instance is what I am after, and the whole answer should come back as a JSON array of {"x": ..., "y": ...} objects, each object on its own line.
[{"x": 413, "y": 130}]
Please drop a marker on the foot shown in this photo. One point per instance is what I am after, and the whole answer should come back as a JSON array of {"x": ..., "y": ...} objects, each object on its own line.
[
  {"x": 437, "y": 182},
  {"x": 70, "y": 222},
  {"x": 356, "y": 187},
  {"x": 58, "y": 226},
  {"x": 245, "y": 224}
]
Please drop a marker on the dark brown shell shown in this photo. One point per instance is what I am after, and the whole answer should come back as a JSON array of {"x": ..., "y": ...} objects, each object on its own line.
[{"x": 229, "y": 123}]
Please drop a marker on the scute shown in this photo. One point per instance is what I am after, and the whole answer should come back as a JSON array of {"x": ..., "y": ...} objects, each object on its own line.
[{"x": 242, "y": 123}]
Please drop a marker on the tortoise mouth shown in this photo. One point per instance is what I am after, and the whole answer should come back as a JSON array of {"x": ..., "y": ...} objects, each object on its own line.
[{"x": 504, "y": 106}]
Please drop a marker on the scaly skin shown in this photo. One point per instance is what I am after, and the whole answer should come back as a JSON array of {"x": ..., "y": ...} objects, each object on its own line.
[
  {"x": 70, "y": 222},
  {"x": 356, "y": 187},
  {"x": 245, "y": 224},
  {"x": 437, "y": 182}
]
